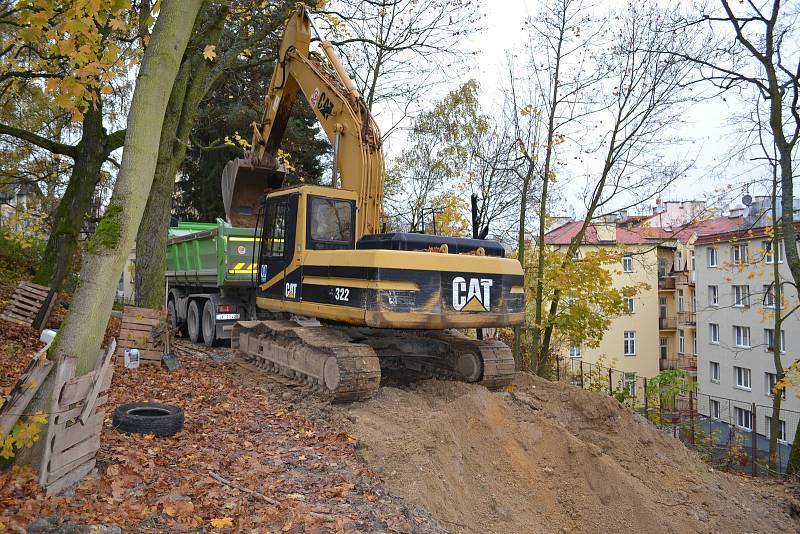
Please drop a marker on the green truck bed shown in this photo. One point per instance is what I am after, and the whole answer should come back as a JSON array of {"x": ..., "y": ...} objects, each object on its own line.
[{"x": 211, "y": 255}]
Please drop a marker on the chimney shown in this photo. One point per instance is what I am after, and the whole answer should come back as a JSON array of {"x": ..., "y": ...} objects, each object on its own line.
[{"x": 606, "y": 231}]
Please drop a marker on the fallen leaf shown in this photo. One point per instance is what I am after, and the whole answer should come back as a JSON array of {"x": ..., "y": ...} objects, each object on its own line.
[
  {"x": 209, "y": 52},
  {"x": 221, "y": 522}
]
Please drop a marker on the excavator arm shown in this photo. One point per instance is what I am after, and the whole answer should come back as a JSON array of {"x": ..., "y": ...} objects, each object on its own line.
[{"x": 345, "y": 118}]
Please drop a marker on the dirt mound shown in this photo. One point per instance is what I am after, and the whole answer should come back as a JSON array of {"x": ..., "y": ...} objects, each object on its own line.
[{"x": 551, "y": 458}]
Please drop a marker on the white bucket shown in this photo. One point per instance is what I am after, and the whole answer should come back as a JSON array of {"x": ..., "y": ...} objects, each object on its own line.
[
  {"x": 47, "y": 336},
  {"x": 132, "y": 358}
]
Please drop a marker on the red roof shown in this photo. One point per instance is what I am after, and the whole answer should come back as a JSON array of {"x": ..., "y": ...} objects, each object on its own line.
[
  {"x": 737, "y": 233},
  {"x": 638, "y": 235}
]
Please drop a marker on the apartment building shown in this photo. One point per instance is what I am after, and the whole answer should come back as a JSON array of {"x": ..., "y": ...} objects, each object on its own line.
[
  {"x": 735, "y": 331},
  {"x": 659, "y": 330}
]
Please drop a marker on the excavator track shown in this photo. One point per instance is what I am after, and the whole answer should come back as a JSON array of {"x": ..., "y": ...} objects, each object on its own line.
[
  {"x": 320, "y": 355},
  {"x": 346, "y": 361},
  {"x": 446, "y": 354}
]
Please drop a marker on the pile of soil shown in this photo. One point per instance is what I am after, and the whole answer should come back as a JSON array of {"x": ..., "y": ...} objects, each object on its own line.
[{"x": 549, "y": 457}]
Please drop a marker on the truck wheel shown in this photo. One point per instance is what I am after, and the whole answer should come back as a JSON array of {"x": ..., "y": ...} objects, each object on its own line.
[
  {"x": 193, "y": 322},
  {"x": 209, "y": 324}
]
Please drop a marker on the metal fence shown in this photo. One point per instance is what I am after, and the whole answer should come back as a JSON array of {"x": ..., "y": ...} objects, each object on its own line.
[{"x": 728, "y": 433}]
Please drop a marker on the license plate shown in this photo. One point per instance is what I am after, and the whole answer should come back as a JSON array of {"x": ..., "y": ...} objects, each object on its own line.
[{"x": 227, "y": 316}]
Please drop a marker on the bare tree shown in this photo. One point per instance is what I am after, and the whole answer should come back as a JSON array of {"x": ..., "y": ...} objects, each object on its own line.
[
  {"x": 398, "y": 50},
  {"x": 639, "y": 97}
]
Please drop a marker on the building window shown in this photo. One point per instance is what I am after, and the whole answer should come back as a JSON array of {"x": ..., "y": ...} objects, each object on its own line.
[
  {"x": 769, "y": 257},
  {"x": 680, "y": 300},
  {"x": 770, "y": 379},
  {"x": 713, "y": 333},
  {"x": 694, "y": 344},
  {"x": 781, "y": 429},
  {"x": 741, "y": 296},
  {"x": 630, "y": 303},
  {"x": 742, "y": 378},
  {"x": 630, "y": 384},
  {"x": 715, "y": 372},
  {"x": 691, "y": 260},
  {"x": 681, "y": 342},
  {"x": 741, "y": 335},
  {"x": 662, "y": 345},
  {"x": 769, "y": 296},
  {"x": 679, "y": 266},
  {"x": 627, "y": 263},
  {"x": 744, "y": 418},
  {"x": 712, "y": 256},
  {"x": 713, "y": 295},
  {"x": 739, "y": 253},
  {"x": 713, "y": 408},
  {"x": 629, "y": 343},
  {"x": 575, "y": 351},
  {"x": 769, "y": 340}
]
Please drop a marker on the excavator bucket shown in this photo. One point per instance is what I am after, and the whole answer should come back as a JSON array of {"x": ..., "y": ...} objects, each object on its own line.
[{"x": 243, "y": 184}]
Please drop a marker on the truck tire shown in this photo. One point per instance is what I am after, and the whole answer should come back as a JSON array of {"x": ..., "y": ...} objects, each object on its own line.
[
  {"x": 193, "y": 322},
  {"x": 209, "y": 324},
  {"x": 148, "y": 418}
]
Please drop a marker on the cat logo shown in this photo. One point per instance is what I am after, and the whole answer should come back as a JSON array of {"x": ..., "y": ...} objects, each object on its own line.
[
  {"x": 291, "y": 290},
  {"x": 473, "y": 295}
]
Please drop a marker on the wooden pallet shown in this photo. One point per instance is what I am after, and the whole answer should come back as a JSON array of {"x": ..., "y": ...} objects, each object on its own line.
[
  {"x": 75, "y": 421},
  {"x": 26, "y": 302},
  {"x": 139, "y": 330},
  {"x": 26, "y": 387}
]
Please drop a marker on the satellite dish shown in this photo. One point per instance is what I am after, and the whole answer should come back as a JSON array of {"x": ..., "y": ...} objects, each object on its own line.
[{"x": 747, "y": 200}]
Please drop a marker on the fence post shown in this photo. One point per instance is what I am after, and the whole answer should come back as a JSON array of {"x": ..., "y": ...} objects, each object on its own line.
[
  {"x": 610, "y": 385},
  {"x": 754, "y": 442},
  {"x": 691, "y": 415},
  {"x": 581, "y": 374},
  {"x": 558, "y": 369},
  {"x": 646, "y": 407}
]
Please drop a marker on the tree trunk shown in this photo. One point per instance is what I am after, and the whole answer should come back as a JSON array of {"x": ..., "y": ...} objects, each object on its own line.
[
  {"x": 190, "y": 87},
  {"x": 70, "y": 215},
  {"x": 85, "y": 324}
]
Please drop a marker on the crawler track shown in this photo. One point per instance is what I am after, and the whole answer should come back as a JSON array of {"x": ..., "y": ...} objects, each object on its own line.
[{"x": 346, "y": 361}]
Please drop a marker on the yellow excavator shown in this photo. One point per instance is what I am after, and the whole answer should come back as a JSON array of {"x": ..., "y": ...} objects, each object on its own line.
[{"x": 339, "y": 298}]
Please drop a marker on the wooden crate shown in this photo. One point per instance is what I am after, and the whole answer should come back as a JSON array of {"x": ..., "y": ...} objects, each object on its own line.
[
  {"x": 26, "y": 302},
  {"x": 74, "y": 423},
  {"x": 139, "y": 330}
]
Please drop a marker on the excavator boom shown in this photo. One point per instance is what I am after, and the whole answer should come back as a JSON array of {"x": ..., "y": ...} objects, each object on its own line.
[{"x": 345, "y": 118}]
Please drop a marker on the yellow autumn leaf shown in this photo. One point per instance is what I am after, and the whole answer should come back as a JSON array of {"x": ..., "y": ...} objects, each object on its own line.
[
  {"x": 117, "y": 24},
  {"x": 221, "y": 522},
  {"x": 209, "y": 52},
  {"x": 149, "y": 437},
  {"x": 106, "y": 90}
]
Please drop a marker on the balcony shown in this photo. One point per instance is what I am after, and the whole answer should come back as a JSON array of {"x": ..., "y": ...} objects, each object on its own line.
[
  {"x": 685, "y": 362},
  {"x": 666, "y": 283},
  {"x": 688, "y": 318},
  {"x": 667, "y": 323}
]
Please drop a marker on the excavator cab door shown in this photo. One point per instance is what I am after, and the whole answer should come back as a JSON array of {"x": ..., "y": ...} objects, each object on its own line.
[{"x": 277, "y": 247}]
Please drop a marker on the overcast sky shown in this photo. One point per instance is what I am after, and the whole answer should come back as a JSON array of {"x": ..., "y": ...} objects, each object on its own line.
[{"x": 710, "y": 139}]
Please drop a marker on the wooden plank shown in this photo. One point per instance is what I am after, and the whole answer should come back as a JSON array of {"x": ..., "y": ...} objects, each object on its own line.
[
  {"x": 91, "y": 445},
  {"x": 77, "y": 389},
  {"x": 15, "y": 320},
  {"x": 73, "y": 477},
  {"x": 136, "y": 327},
  {"x": 140, "y": 322},
  {"x": 133, "y": 335},
  {"x": 13, "y": 408},
  {"x": 26, "y": 298},
  {"x": 36, "y": 287},
  {"x": 63, "y": 417},
  {"x": 105, "y": 369},
  {"x": 77, "y": 432},
  {"x": 25, "y": 306},
  {"x": 149, "y": 313},
  {"x": 65, "y": 368},
  {"x": 58, "y": 473},
  {"x": 136, "y": 343}
]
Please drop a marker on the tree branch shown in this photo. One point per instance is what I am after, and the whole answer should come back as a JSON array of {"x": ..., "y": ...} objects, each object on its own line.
[{"x": 48, "y": 144}]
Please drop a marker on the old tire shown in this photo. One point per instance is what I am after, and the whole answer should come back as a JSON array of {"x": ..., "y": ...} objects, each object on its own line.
[
  {"x": 209, "y": 324},
  {"x": 193, "y": 322},
  {"x": 148, "y": 418}
]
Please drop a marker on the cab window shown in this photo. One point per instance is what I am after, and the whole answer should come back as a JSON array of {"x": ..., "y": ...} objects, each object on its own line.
[
  {"x": 274, "y": 229},
  {"x": 330, "y": 224}
]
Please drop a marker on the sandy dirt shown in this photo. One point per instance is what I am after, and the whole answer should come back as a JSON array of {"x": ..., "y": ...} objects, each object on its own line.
[{"x": 548, "y": 457}]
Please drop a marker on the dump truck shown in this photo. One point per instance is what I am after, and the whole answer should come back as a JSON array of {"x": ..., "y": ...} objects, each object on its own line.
[{"x": 210, "y": 278}]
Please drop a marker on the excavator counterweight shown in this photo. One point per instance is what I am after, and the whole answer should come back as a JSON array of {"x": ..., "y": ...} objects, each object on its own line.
[{"x": 342, "y": 299}]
